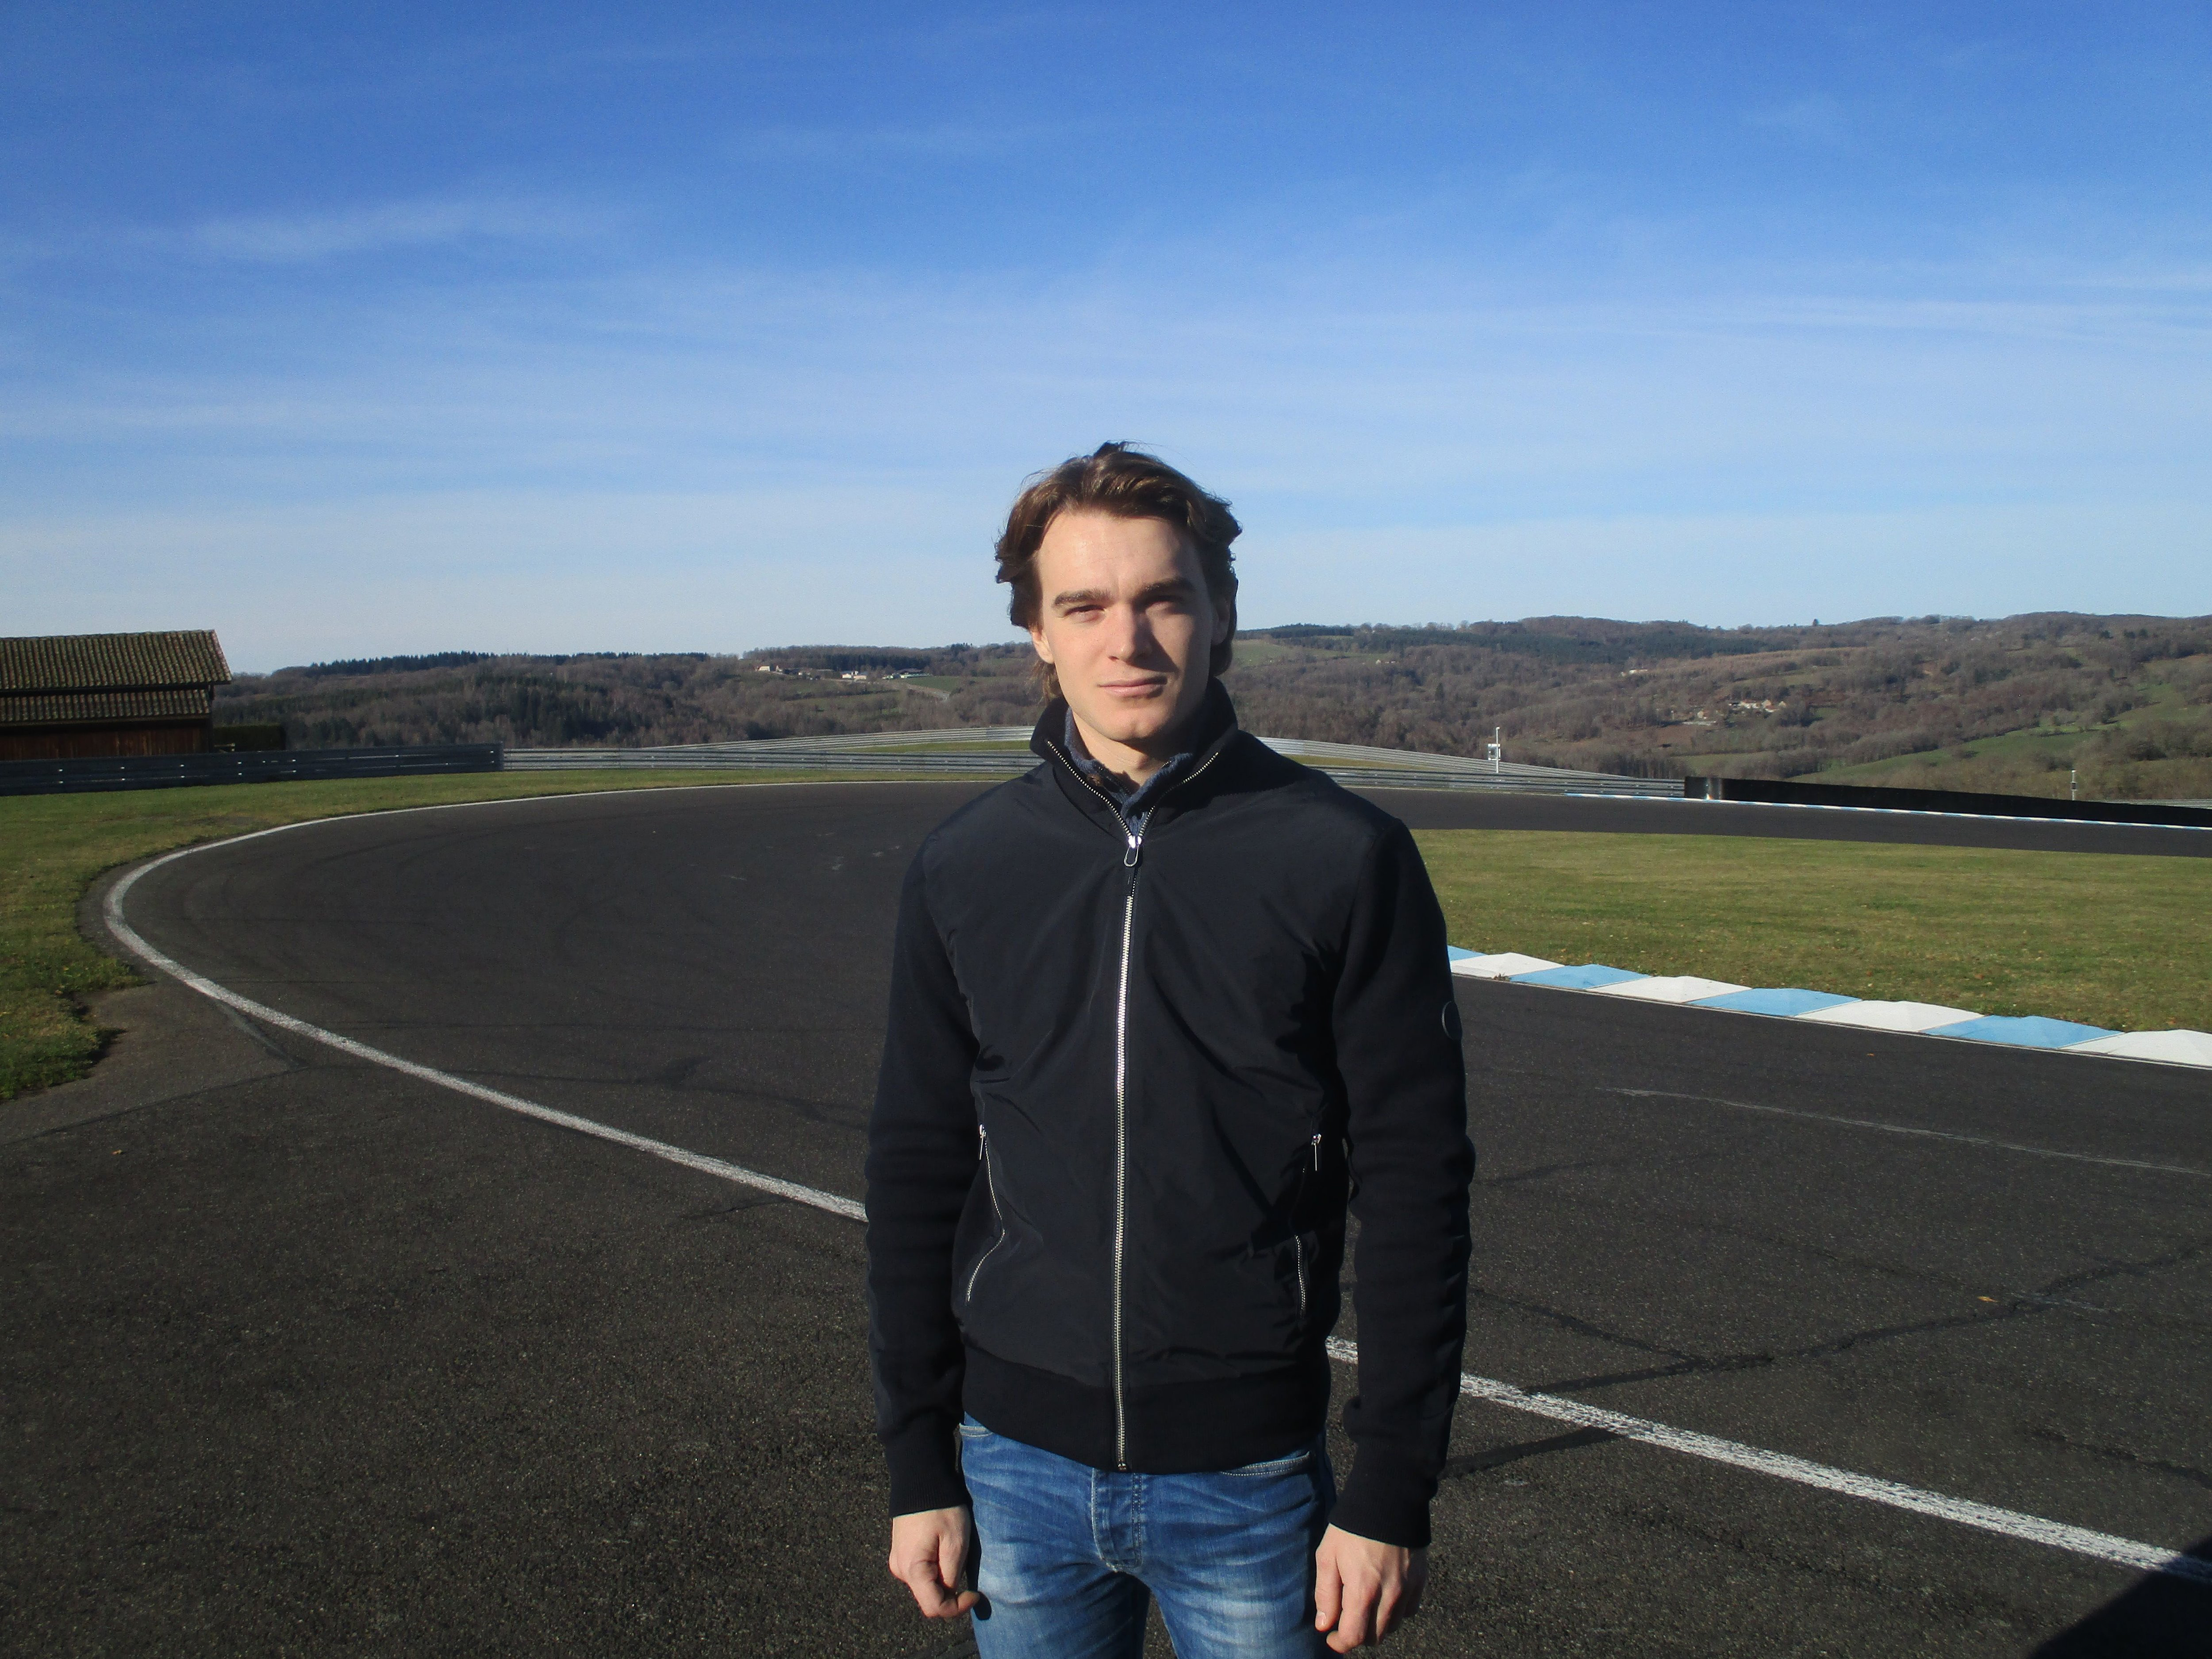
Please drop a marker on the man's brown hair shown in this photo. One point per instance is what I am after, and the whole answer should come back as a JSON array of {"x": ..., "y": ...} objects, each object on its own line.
[{"x": 1129, "y": 483}]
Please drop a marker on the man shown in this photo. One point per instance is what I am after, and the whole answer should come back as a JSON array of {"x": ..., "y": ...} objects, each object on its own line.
[{"x": 1161, "y": 1009}]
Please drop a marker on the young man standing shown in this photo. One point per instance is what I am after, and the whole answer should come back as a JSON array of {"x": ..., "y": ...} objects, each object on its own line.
[{"x": 1162, "y": 1009}]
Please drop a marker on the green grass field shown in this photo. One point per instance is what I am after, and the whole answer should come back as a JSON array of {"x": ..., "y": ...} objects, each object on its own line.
[
  {"x": 55, "y": 845},
  {"x": 2109, "y": 939}
]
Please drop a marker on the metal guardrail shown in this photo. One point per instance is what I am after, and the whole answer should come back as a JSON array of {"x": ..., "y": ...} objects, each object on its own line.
[
  {"x": 1351, "y": 764},
  {"x": 1890, "y": 798},
  {"x": 992, "y": 751},
  {"x": 1404, "y": 768},
  {"x": 702, "y": 757},
  {"x": 1529, "y": 780},
  {"x": 54, "y": 777}
]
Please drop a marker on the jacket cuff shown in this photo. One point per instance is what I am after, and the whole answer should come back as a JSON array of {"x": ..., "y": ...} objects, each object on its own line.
[
  {"x": 1386, "y": 1498},
  {"x": 925, "y": 1473}
]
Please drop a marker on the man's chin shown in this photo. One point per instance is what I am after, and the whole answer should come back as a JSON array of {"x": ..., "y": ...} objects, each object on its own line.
[{"x": 1128, "y": 718}]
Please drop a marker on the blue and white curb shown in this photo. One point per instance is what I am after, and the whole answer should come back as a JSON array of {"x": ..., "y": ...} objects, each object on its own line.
[{"x": 1827, "y": 1008}]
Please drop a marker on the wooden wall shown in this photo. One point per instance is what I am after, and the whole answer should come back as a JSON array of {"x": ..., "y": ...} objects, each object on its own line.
[{"x": 89, "y": 742}]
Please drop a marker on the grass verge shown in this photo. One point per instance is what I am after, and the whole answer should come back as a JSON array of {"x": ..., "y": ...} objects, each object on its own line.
[
  {"x": 52, "y": 848},
  {"x": 2117, "y": 940}
]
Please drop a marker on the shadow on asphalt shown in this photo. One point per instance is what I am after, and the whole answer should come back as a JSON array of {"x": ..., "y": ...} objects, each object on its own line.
[{"x": 2161, "y": 1617}]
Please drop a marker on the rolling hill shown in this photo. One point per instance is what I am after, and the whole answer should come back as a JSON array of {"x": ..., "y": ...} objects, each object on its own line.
[{"x": 2012, "y": 705}]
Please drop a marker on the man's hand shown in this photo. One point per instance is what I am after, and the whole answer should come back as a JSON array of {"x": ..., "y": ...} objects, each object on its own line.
[
  {"x": 1363, "y": 1590},
  {"x": 929, "y": 1556}
]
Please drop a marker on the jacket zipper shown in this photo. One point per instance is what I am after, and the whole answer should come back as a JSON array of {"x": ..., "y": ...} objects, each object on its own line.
[
  {"x": 1121, "y": 1144},
  {"x": 991, "y": 1185},
  {"x": 1130, "y": 856}
]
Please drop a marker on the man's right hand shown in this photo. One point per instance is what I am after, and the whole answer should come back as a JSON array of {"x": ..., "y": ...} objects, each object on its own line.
[{"x": 929, "y": 1555}]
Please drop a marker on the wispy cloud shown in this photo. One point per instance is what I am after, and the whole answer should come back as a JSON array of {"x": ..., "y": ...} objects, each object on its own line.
[
  {"x": 950, "y": 140},
  {"x": 1817, "y": 118},
  {"x": 633, "y": 448},
  {"x": 297, "y": 238}
]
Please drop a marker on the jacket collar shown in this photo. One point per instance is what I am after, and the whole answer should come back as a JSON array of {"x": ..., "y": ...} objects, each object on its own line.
[{"x": 1212, "y": 730}]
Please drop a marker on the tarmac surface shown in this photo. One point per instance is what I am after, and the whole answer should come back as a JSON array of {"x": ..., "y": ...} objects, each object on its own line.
[{"x": 305, "y": 1354}]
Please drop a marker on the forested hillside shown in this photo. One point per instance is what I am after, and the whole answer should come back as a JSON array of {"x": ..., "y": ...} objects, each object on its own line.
[{"x": 2010, "y": 705}]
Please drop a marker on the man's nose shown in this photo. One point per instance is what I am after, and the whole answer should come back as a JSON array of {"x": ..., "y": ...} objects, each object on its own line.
[{"x": 1130, "y": 635}]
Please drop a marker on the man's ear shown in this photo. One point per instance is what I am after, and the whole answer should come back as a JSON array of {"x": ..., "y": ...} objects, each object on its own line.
[
  {"x": 1038, "y": 639},
  {"x": 1224, "y": 621}
]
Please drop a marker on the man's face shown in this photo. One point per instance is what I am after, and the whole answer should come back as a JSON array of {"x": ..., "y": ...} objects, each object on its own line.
[{"x": 1125, "y": 620}]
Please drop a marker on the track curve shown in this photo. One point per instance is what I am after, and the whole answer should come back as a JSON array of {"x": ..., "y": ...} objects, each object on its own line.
[{"x": 1806, "y": 1239}]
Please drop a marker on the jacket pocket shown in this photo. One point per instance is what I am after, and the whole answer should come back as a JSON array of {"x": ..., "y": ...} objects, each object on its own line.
[
  {"x": 1302, "y": 1244},
  {"x": 991, "y": 1185}
]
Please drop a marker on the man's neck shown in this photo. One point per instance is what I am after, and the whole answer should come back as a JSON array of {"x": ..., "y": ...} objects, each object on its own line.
[{"x": 1134, "y": 767}]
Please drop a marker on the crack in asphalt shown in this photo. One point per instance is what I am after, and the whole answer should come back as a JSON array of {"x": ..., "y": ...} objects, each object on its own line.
[
  {"x": 1701, "y": 1365},
  {"x": 2014, "y": 1304},
  {"x": 1917, "y": 1131},
  {"x": 2046, "y": 1294},
  {"x": 1545, "y": 1171},
  {"x": 2173, "y": 1258},
  {"x": 1691, "y": 1363},
  {"x": 2122, "y": 1454},
  {"x": 716, "y": 1211}
]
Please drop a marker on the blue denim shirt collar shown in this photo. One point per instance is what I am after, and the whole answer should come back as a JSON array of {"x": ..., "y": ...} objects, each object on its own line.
[{"x": 1136, "y": 805}]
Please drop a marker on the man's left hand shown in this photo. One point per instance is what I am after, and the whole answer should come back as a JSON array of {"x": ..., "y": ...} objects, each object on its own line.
[{"x": 1363, "y": 1590}]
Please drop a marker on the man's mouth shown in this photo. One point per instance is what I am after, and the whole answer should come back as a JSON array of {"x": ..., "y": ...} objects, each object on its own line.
[{"x": 1131, "y": 688}]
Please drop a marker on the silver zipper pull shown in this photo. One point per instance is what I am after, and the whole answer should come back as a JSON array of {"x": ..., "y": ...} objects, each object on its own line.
[
  {"x": 982, "y": 1140},
  {"x": 1316, "y": 1154},
  {"x": 1129, "y": 858}
]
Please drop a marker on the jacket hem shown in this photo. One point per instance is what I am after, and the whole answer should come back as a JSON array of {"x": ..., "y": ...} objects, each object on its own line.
[{"x": 1174, "y": 1428}]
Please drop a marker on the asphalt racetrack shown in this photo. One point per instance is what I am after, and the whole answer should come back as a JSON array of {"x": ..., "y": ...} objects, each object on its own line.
[{"x": 325, "y": 1357}]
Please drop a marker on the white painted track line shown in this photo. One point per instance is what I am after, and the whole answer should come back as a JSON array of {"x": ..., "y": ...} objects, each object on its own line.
[
  {"x": 2034, "y": 1529},
  {"x": 660, "y": 1149},
  {"x": 2121, "y": 1551}
]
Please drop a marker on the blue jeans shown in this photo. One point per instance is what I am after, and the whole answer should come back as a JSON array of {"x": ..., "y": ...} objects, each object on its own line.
[{"x": 1072, "y": 1556}]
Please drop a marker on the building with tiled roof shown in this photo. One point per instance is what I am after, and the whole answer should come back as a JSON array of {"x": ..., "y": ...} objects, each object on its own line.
[{"x": 65, "y": 696}]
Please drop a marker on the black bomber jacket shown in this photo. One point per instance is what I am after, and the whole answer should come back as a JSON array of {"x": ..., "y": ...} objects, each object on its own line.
[{"x": 1130, "y": 1084}]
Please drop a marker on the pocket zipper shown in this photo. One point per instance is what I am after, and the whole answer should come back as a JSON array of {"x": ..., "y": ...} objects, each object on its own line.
[
  {"x": 1298, "y": 1240},
  {"x": 991, "y": 1186}
]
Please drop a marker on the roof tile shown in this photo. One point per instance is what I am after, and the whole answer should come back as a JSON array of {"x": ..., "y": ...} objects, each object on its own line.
[
  {"x": 67, "y": 708},
  {"x": 113, "y": 662}
]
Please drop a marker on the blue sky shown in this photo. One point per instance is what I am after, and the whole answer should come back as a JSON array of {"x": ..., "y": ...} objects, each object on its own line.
[{"x": 349, "y": 331}]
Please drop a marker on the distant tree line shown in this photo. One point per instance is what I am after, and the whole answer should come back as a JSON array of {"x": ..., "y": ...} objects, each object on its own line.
[
  {"x": 2014, "y": 705},
  {"x": 2126, "y": 701}
]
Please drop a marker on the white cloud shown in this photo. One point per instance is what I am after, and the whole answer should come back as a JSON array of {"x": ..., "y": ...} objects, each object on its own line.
[
  {"x": 299, "y": 237},
  {"x": 950, "y": 141},
  {"x": 1817, "y": 118}
]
